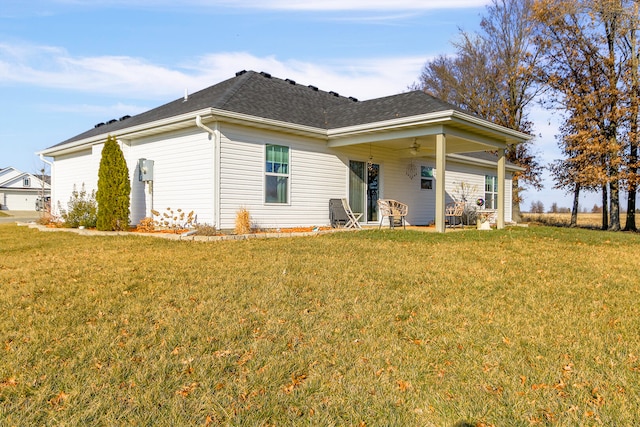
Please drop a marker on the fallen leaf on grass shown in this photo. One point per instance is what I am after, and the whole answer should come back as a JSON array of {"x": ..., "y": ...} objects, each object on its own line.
[
  {"x": 295, "y": 382},
  {"x": 245, "y": 358},
  {"x": 186, "y": 390},
  {"x": 9, "y": 382},
  {"x": 58, "y": 400},
  {"x": 403, "y": 385},
  {"x": 596, "y": 398},
  {"x": 493, "y": 389},
  {"x": 539, "y": 386}
]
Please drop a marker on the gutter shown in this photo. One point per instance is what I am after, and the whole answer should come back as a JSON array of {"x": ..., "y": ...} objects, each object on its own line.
[
  {"x": 45, "y": 160},
  {"x": 438, "y": 117}
]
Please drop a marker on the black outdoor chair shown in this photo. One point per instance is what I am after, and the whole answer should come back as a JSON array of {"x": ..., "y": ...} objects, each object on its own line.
[{"x": 337, "y": 215}]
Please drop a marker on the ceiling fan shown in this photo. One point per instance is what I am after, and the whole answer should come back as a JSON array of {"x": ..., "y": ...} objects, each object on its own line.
[{"x": 414, "y": 148}]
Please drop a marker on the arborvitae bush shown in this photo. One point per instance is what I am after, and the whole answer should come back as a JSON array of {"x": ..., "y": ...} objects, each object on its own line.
[{"x": 113, "y": 188}]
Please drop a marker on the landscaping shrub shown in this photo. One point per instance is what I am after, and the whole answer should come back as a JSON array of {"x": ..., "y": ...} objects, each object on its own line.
[
  {"x": 113, "y": 188},
  {"x": 243, "y": 222},
  {"x": 174, "y": 220},
  {"x": 82, "y": 209},
  {"x": 206, "y": 230}
]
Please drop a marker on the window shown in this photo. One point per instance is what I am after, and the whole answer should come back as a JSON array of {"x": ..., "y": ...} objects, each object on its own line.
[
  {"x": 276, "y": 174},
  {"x": 26, "y": 182},
  {"x": 426, "y": 178},
  {"x": 490, "y": 192}
]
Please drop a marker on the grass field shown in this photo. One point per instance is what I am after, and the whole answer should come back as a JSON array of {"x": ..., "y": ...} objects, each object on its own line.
[
  {"x": 585, "y": 219},
  {"x": 523, "y": 326}
]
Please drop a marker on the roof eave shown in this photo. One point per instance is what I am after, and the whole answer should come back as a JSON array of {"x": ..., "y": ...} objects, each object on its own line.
[
  {"x": 508, "y": 132},
  {"x": 436, "y": 118},
  {"x": 182, "y": 121},
  {"x": 156, "y": 126}
]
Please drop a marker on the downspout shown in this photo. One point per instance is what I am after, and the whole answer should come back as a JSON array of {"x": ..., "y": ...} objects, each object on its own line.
[
  {"x": 215, "y": 135},
  {"x": 203, "y": 126}
]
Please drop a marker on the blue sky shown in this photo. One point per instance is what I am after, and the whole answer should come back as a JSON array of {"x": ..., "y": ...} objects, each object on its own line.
[{"x": 66, "y": 65}]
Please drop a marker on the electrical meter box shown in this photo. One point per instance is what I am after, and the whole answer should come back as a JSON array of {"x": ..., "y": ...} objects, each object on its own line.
[{"x": 145, "y": 167}]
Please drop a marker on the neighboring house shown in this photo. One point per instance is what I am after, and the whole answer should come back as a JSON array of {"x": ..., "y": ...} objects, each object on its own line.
[
  {"x": 282, "y": 150},
  {"x": 20, "y": 191}
]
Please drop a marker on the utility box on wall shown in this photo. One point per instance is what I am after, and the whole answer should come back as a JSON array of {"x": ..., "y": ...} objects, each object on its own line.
[{"x": 145, "y": 167}]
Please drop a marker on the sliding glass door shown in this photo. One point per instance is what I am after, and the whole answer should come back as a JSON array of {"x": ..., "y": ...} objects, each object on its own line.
[{"x": 364, "y": 188}]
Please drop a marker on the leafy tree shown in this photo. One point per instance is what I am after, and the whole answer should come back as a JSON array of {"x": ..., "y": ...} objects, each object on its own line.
[
  {"x": 492, "y": 76},
  {"x": 584, "y": 63},
  {"x": 113, "y": 188}
]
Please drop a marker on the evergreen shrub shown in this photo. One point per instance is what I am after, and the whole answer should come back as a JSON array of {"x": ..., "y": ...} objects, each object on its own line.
[{"x": 113, "y": 188}]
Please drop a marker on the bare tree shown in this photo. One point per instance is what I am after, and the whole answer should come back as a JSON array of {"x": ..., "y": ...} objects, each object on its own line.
[{"x": 492, "y": 76}]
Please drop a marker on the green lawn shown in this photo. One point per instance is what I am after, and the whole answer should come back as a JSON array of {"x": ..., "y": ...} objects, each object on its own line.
[{"x": 523, "y": 326}]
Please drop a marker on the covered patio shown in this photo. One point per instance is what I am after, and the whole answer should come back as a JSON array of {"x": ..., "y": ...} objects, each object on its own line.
[{"x": 438, "y": 135}]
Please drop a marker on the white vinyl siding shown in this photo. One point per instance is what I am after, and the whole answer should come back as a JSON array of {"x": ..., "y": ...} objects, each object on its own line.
[
  {"x": 316, "y": 175},
  {"x": 474, "y": 176},
  {"x": 182, "y": 174},
  {"x": 74, "y": 170}
]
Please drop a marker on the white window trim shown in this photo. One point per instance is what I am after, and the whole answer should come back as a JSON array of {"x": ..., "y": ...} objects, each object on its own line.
[
  {"x": 265, "y": 174},
  {"x": 426, "y": 178},
  {"x": 494, "y": 193}
]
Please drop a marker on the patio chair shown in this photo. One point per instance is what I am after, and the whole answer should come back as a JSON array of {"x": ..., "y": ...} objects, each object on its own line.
[
  {"x": 395, "y": 210},
  {"x": 453, "y": 211},
  {"x": 337, "y": 215},
  {"x": 353, "y": 218}
]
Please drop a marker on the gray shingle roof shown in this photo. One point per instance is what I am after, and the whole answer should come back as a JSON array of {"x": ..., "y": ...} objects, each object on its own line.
[
  {"x": 388, "y": 108},
  {"x": 261, "y": 95}
]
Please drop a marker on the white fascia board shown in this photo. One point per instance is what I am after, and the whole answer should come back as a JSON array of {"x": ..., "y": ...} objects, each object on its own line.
[
  {"x": 425, "y": 119},
  {"x": 124, "y": 133},
  {"x": 459, "y": 158},
  {"x": 207, "y": 114},
  {"x": 511, "y": 133},
  {"x": 440, "y": 117}
]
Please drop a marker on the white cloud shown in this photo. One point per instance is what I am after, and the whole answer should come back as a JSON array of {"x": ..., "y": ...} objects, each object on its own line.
[
  {"x": 136, "y": 78},
  {"x": 54, "y": 67}
]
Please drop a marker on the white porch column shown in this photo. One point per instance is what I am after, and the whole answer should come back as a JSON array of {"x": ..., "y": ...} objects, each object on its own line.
[
  {"x": 441, "y": 164},
  {"x": 501, "y": 189}
]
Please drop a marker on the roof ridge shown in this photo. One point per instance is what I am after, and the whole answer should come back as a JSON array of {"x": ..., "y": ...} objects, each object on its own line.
[{"x": 230, "y": 93}]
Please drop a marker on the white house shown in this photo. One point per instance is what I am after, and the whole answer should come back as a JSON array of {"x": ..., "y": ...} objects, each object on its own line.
[
  {"x": 282, "y": 150},
  {"x": 20, "y": 191}
]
